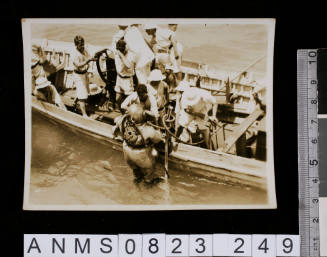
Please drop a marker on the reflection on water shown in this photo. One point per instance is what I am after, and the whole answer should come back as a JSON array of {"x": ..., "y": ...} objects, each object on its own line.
[{"x": 68, "y": 168}]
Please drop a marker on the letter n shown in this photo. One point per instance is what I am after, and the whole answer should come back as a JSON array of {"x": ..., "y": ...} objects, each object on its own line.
[{"x": 55, "y": 243}]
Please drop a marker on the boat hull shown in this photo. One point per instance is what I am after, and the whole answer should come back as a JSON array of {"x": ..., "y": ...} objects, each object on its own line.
[{"x": 210, "y": 164}]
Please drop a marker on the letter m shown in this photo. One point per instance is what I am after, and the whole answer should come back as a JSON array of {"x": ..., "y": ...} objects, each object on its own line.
[{"x": 86, "y": 245}]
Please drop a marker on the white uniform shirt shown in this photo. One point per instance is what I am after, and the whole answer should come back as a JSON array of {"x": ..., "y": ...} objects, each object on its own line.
[
  {"x": 137, "y": 44},
  {"x": 203, "y": 105},
  {"x": 77, "y": 57},
  {"x": 163, "y": 38},
  {"x": 121, "y": 68}
]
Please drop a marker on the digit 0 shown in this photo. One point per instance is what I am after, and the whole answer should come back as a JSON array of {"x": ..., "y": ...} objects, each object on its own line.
[
  {"x": 127, "y": 248},
  {"x": 312, "y": 54}
]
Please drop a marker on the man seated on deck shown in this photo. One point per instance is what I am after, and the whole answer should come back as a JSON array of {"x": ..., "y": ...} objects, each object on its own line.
[
  {"x": 138, "y": 147},
  {"x": 81, "y": 59},
  {"x": 125, "y": 66},
  {"x": 41, "y": 86},
  {"x": 157, "y": 87},
  {"x": 195, "y": 104}
]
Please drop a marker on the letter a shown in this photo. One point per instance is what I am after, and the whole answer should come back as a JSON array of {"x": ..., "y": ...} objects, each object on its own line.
[{"x": 32, "y": 246}]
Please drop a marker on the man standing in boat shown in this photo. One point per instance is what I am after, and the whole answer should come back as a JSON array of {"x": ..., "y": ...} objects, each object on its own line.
[
  {"x": 125, "y": 61},
  {"x": 168, "y": 50},
  {"x": 144, "y": 56},
  {"x": 158, "y": 88},
  {"x": 119, "y": 35},
  {"x": 81, "y": 59},
  {"x": 138, "y": 147},
  {"x": 195, "y": 105}
]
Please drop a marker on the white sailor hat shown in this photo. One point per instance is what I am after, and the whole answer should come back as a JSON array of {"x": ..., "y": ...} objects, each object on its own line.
[
  {"x": 123, "y": 24},
  {"x": 183, "y": 86},
  {"x": 156, "y": 75},
  {"x": 149, "y": 26},
  {"x": 191, "y": 97}
]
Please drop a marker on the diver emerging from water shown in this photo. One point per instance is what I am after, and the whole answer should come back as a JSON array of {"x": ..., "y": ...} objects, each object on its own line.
[{"x": 139, "y": 147}]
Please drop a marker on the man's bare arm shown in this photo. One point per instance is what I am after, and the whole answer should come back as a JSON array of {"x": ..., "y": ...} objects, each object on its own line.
[
  {"x": 125, "y": 60},
  {"x": 81, "y": 64}
]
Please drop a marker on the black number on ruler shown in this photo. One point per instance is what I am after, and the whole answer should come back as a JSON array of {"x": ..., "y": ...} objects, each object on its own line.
[
  {"x": 313, "y": 121},
  {"x": 201, "y": 244},
  {"x": 315, "y": 220},
  {"x": 178, "y": 245},
  {"x": 314, "y": 101},
  {"x": 315, "y": 200},
  {"x": 240, "y": 246},
  {"x": 153, "y": 244},
  {"x": 314, "y": 141},
  {"x": 133, "y": 246},
  {"x": 313, "y": 162},
  {"x": 312, "y": 54},
  {"x": 288, "y": 245},
  {"x": 263, "y": 246},
  {"x": 315, "y": 180}
]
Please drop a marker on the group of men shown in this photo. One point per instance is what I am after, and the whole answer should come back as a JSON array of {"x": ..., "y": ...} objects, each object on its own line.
[{"x": 147, "y": 61}]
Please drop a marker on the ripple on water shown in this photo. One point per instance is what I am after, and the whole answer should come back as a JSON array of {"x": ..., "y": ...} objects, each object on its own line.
[{"x": 68, "y": 168}]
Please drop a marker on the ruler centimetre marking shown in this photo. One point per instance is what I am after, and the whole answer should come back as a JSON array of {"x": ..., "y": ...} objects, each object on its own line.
[{"x": 307, "y": 106}]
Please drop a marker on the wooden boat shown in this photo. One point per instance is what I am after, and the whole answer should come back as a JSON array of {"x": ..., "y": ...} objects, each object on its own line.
[{"x": 221, "y": 166}]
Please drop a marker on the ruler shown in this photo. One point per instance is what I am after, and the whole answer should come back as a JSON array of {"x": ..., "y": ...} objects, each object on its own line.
[{"x": 307, "y": 106}]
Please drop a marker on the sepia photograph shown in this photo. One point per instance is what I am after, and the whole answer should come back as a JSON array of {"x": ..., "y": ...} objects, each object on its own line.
[{"x": 148, "y": 114}]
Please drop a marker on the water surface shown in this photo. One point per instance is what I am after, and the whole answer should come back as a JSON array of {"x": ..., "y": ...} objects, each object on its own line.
[{"x": 69, "y": 168}]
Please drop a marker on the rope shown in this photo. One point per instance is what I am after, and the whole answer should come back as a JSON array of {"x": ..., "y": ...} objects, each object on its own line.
[{"x": 165, "y": 127}]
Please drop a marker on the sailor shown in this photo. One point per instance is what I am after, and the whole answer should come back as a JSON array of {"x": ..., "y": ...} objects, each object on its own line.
[
  {"x": 195, "y": 104},
  {"x": 144, "y": 55},
  {"x": 182, "y": 86},
  {"x": 125, "y": 61},
  {"x": 168, "y": 50},
  {"x": 41, "y": 86},
  {"x": 141, "y": 96},
  {"x": 81, "y": 59},
  {"x": 158, "y": 88},
  {"x": 119, "y": 35},
  {"x": 138, "y": 147},
  {"x": 150, "y": 30}
]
